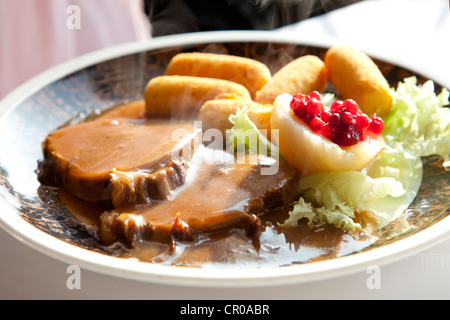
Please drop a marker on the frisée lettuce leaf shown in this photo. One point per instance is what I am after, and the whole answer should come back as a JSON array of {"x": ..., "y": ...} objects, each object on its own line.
[
  {"x": 337, "y": 197},
  {"x": 418, "y": 120},
  {"x": 245, "y": 135},
  {"x": 340, "y": 216}
]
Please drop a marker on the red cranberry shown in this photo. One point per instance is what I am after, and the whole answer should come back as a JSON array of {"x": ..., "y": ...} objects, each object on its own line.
[
  {"x": 376, "y": 124},
  {"x": 315, "y": 95},
  {"x": 329, "y": 132},
  {"x": 336, "y": 106},
  {"x": 362, "y": 120},
  {"x": 317, "y": 124},
  {"x": 350, "y": 136},
  {"x": 343, "y": 123},
  {"x": 298, "y": 106},
  {"x": 314, "y": 107},
  {"x": 325, "y": 116},
  {"x": 335, "y": 119},
  {"x": 347, "y": 118},
  {"x": 350, "y": 106}
]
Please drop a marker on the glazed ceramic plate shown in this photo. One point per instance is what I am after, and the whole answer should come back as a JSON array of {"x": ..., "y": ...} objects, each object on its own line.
[{"x": 108, "y": 77}]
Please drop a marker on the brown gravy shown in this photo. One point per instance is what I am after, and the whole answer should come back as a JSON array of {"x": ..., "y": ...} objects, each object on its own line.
[
  {"x": 275, "y": 246},
  {"x": 224, "y": 216}
]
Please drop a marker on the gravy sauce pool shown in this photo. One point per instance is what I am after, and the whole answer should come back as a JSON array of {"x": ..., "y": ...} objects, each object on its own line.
[
  {"x": 275, "y": 246},
  {"x": 231, "y": 246}
]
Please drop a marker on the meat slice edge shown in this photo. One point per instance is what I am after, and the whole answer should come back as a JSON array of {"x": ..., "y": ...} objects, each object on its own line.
[
  {"x": 118, "y": 159},
  {"x": 216, "y": 197}
]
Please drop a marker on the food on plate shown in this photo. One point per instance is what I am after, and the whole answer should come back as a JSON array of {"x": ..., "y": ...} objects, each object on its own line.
[
  {"x": 355, "y": 76},
  {"x": 352, "y": 200},
  {"x": 368, "y": 200},
  {"x": 215, "y": 114},
  {"x": 302, "y": 75},
  {"x": 182, "y": 96},
  {"x": 251, "y": 73},
  {"x": 331, "y": 168},
  {"x": 314, "y": 138},
  {"x": 131, "y": 110},
  {"x": 219, "y": 195},
  {"x": 117, "y": 159},
  {"x": 419, "y": 119}
]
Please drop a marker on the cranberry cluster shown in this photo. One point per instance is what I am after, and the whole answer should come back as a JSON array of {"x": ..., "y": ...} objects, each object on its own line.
[{"x": 343, "y": 123}]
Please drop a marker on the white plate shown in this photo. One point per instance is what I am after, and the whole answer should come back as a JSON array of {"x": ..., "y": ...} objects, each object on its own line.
[{"x": 11, "y": 217}]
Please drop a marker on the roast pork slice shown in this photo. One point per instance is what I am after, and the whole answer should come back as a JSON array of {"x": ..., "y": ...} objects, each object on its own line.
[
  {"x": 119, "y": 160},
  {"x": 220, "y": 194}
]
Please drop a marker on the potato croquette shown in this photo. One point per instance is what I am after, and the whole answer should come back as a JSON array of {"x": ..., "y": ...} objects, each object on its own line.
[
  {"x": 302, "y": 75},
  {"x": 355, "y": 76},
  {"x": 251, "y": 73},
  {"x": 214, "y": 114},
  {"x": 182, "y": 96}
]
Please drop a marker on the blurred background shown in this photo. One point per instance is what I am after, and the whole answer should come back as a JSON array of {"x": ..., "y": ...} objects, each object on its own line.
[{"x": 38, "y": 34}]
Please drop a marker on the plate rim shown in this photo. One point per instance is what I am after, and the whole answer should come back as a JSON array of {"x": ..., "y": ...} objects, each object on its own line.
[{"x": 60, "y": 250}]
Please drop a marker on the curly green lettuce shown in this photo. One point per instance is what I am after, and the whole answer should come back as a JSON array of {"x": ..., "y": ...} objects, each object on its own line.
[
  {"x": 383, "y": 192},
  {"x": 245, "y": 135},
  {"x": 419, "y": 121}
]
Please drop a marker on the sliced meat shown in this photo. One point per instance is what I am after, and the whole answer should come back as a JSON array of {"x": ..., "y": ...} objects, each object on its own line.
[
  {"x": 218, "y": 195},
  {"x": 118, "y": 159},
  {"x": 141, "y": 187}
]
